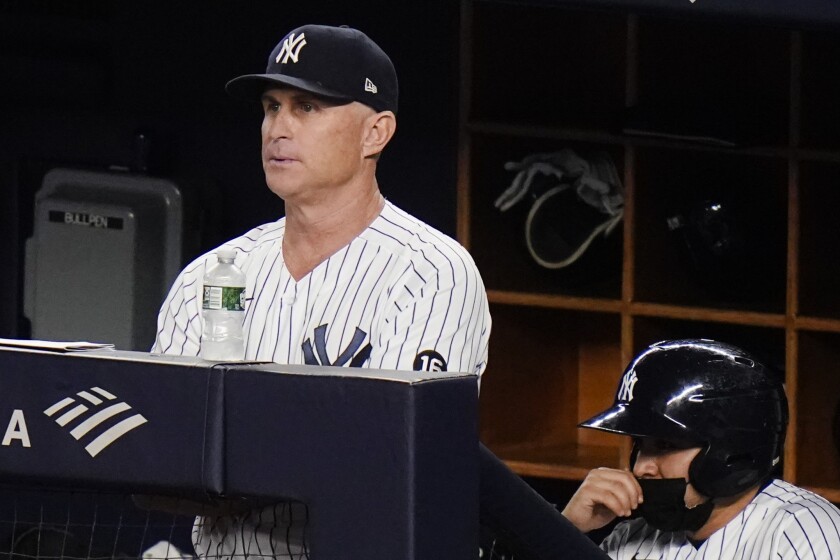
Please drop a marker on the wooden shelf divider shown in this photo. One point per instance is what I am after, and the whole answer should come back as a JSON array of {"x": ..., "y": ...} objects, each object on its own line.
[{"x": 560, "y": 346}]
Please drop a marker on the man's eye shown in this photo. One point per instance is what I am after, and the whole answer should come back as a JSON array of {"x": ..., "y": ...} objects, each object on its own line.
[
  {"x": 307, "y": 107},
  {"x": 272, "y": 107}
]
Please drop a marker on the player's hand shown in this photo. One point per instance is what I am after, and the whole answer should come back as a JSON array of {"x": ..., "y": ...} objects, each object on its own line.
[{"x": 603, "y": 495}]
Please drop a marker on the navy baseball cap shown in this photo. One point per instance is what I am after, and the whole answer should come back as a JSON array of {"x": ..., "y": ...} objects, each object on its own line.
[{"x": 339, "y": 63}]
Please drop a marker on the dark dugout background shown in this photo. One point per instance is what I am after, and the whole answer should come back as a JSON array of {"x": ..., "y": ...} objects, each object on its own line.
[{"x": 83, "y": 81}]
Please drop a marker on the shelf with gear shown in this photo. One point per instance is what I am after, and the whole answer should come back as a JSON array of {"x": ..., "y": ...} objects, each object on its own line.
[{"x": 628, "y": 178}]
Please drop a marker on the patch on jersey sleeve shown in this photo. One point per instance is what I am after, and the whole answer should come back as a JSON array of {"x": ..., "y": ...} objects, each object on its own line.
[{"x": 429, "y": 360}]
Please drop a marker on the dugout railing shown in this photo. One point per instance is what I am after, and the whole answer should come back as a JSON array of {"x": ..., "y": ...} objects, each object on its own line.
[{"x": 385, "y": 461}]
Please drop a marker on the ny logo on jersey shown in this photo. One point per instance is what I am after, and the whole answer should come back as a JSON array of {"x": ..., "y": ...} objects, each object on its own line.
[
  {"x": 351, "y": 352},
  {"x": 291, "y": 48},
  {"x": 625, "y": 392}
]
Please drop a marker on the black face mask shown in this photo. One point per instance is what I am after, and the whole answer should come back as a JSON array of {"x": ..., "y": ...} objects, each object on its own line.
[{"x": 664, "y": 506}]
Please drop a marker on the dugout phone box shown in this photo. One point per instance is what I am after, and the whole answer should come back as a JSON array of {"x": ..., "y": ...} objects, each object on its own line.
[
  {"x": 104, "y": 251},
  {"x": 386, "y": 461}
]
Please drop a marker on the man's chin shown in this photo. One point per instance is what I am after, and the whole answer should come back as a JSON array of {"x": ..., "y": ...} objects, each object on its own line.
[{"x": 282, "y": 186}]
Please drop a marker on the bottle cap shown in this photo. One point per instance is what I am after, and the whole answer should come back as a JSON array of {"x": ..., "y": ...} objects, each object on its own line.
[{"x": 226, "y": 253}]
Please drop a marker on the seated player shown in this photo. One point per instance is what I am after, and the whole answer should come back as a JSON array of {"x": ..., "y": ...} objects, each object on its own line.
[{"x": 708, "y": 423}]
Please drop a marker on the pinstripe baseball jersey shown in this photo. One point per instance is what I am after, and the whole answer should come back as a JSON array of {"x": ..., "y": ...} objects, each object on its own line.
[
  {"x": 400, "y": 296},
  {"x": 783, "y": 522}
]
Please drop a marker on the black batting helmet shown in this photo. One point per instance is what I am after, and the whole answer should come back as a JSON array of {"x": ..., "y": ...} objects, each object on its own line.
[{"x": 709, "y": 393}]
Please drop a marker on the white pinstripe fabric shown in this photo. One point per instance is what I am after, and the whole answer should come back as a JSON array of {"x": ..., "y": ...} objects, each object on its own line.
[
  {"x": 406, "y": 286},
  {"x": 782, "y": 522}
]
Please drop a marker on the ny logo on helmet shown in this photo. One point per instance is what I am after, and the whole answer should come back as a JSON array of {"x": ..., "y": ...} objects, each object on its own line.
[
  {"x": 291, "y": 48},
  {"x": 625, "y": 392}
]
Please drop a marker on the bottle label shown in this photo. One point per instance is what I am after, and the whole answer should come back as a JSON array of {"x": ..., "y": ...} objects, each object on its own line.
[{"x": 224, "y": 298}]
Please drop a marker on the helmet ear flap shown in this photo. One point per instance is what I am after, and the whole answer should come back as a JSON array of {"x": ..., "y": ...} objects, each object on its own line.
[{"x": 717, "y": 474}]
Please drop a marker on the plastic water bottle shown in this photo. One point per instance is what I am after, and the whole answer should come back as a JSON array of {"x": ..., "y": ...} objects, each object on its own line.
[{"x": 223, "y": 310}]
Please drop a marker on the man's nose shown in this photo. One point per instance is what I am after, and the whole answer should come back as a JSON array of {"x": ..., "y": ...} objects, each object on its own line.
[
  {"x": 279, "y": 125},
  {"x": 645, "y": 466}
]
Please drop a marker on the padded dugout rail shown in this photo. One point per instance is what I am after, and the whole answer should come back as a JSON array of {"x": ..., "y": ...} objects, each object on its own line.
[
  {"x": 72, "y": 420},
  {"x": 387, "y": 461}
]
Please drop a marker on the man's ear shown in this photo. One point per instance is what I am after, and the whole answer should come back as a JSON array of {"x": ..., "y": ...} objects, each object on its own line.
[{"x": 380, "y": 129}]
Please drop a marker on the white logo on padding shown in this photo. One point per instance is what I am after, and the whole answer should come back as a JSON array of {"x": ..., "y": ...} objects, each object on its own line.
[
  {"x": 370, "y": 86},
  {"x": 291, "y": 48},
  {"x": 91, "y": 418},
  {"x": 625, "y": 393}
]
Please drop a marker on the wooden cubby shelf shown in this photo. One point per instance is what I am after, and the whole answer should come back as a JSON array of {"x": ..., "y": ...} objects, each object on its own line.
[
  {"x": 570, "y": 462},
  {"x": 554, "y": 301},
  {"x": 726, "y": 136},
  {"x": 604, "y": 137},
  {"x": 817, "y": 324}
]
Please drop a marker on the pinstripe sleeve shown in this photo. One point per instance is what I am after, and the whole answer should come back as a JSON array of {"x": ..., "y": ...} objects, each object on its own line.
[
  {"x": 179, "y": 323},
  {"x": 628, "y": 538},
  {"x": 441, "y": 324},
  {"x": 812, "y": 534}
]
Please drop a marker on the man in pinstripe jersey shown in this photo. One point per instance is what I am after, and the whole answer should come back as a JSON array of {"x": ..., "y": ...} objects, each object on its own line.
[
  {"x": 708, "y": 422},
  {"x": 345, "y": 278}
]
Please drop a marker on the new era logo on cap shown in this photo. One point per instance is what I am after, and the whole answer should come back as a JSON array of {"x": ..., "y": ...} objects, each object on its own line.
[{"x": 339, "y": 63}]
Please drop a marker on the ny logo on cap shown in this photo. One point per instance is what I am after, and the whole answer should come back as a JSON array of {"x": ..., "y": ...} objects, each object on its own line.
[
  {"x": 291, "y": 48},
  {"x": 625, "y": 392}
]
